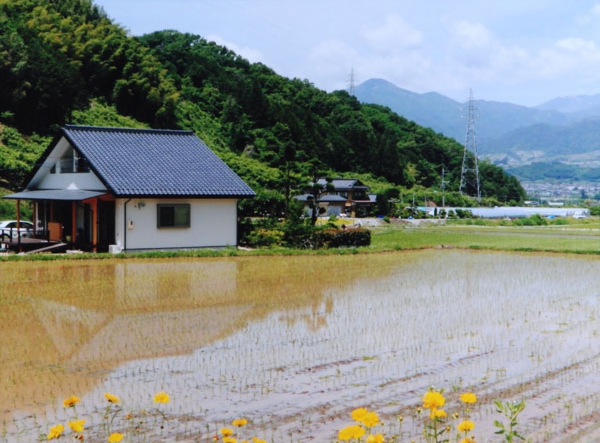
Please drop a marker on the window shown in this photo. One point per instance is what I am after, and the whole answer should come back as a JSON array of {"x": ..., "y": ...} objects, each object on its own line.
[
  {"x": 173, "y": 216},
  {"x": 81, "y": 164},
  {"x": 71, "y": 162}
]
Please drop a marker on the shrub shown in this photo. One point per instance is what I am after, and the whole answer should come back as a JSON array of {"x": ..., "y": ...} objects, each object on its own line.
[
  {"x": 262, "y": 237},
  {"x": 533, "y": 220},
  {"x": 349, "y": 238},
  {"x": 464, "y": 213},
  {"x": 595, "y": 210}
]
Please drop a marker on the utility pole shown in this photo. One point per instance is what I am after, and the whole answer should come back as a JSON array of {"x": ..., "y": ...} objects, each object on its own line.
[
  {"x": 469, "y": 176},
  {"x": 443, "y": 188},
  {"x": 351, "y": 83}
]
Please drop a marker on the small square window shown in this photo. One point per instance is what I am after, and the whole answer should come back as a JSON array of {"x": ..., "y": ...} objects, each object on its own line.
[{"x": 173, "y": 215}]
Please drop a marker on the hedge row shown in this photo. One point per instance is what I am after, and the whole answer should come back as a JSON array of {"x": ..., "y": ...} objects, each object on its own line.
[{"x": 349, "y": 238}]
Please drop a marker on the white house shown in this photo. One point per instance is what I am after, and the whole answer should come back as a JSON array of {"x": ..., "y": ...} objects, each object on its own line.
[{"x": 123, "y": 189}]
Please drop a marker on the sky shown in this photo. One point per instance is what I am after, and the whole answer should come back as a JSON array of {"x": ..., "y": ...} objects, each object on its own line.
[{"x": 525, "y": 52}]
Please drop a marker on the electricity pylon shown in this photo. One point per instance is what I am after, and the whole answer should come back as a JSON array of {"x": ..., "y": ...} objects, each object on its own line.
[{"x": 469, "y": 176}]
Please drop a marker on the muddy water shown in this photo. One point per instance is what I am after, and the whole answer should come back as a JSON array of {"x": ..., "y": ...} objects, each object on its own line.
[{"x": 295, "y": 343}]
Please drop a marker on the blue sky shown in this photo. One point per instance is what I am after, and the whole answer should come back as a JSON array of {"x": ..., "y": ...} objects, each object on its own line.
[{"x": 520, "y": 51}]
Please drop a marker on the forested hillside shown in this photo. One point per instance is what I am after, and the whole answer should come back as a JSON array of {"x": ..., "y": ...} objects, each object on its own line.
[{"x": 65, "y": 61}]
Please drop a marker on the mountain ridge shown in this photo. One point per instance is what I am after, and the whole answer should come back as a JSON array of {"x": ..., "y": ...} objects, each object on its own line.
[{"x": 564, "y": 129}]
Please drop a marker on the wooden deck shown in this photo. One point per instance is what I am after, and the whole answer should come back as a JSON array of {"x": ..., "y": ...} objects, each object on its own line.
[{"x": 28, "y": 245}]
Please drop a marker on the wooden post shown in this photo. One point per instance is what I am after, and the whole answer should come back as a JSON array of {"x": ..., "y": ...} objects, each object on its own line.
[
  {"x": 95, "y": 225},
  {"x": 74, "y": 222},
  {"x": 35, "y": 220},
  {"x": 19, "y": 224}
]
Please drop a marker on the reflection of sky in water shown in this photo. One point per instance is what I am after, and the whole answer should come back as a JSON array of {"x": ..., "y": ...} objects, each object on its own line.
[{"x": 486, "y": 321}]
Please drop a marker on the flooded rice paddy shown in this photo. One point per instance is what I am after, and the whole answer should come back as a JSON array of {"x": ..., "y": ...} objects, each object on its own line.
[{"x": 294, "y": 344}]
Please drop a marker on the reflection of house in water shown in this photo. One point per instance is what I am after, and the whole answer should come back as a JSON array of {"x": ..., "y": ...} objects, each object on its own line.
[
  {"x": 56, "y": 343},
  {"x": 64, "y": 326},
  {"x": 159, "y": 309}
]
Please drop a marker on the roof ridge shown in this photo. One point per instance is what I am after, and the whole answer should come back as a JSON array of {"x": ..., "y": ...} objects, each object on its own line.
[{"x": 131, "y": 130}]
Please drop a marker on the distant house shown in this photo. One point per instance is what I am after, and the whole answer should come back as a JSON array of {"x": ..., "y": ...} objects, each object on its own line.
[
  {"x": 122, "y": 189},
  {"x": 341, "y": 197}
]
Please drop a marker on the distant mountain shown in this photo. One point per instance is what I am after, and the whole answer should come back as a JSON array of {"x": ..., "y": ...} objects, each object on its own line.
[
  {"x": 449, "y": 117},
  {"x": 573, "y": 104},
  {"x": 578, "y": 143},
  {"x": 431, "y": 110},
  {"x": 561, "y": 131}
]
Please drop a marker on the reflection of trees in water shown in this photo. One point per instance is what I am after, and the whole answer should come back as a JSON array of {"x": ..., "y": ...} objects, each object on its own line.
[{"x": 63, "y": 324}]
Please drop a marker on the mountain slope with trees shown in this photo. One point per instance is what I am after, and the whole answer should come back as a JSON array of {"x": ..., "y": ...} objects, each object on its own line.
[{"x": 65, "y": 61}]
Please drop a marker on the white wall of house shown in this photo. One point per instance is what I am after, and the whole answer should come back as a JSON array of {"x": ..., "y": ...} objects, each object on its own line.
[
  {"x": 213, "y": 223},
  {"x": 79, "y": 180}
]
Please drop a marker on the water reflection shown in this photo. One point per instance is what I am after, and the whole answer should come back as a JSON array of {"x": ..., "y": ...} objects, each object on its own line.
[
  {"x": 63, "y": 326},
  {"x": 296, "y": 343}
]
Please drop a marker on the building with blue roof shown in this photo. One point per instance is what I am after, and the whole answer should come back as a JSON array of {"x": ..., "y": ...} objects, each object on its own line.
[{"x": 122, "y": 189}]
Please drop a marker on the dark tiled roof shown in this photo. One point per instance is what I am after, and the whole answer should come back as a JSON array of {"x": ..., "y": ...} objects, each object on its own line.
[
  {"x": 332, "y": 198},
  {"x": 343, "y": 184},
  {"x": 145, "y": 162},
  {"x": 323, "y": 198}
]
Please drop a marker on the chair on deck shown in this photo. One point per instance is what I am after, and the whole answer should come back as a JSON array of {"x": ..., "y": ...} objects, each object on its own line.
[{"x": 55, "y": 231}]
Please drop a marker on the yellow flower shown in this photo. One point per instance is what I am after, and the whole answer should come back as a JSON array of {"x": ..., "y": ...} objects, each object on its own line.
[
  {"x": 358, "y": 414},
  {"x": 55, "y": 431},
  {"x": 115, "y": 437},
  {"x": 70, "y": 402},
  {"x": 370, "y": 419},
  {"x": 437, "y": 413},
  {"x": 229, "y": 439},
  {"x": 433, "y": 400},
  {"x": 239, "y": 422},
  {"x": 111, "y": 398},
  {"x": 258, "y": 440},
  {"x": 353, "y": 432},
  {"x": 226, "y": 432},
  {"x": 377, "y": 438},
  {"x": 161, "y": 397},
  {"x": 467, "y": 440},
  {"x": 77, "y": 425},
  {"x": 468, "y": 397},
  {"x": 466, "y": 426}
]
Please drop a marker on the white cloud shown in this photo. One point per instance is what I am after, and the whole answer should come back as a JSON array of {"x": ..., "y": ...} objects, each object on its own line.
[
  {"x": 472, "y": 35},
  {"x": 395, "y": 34},
  {"x": 472, "y": 46},
  {"x": 250, "y": 54},
  {"x": 567, "y": 57},
  {"x": 577, "y": 45}
]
